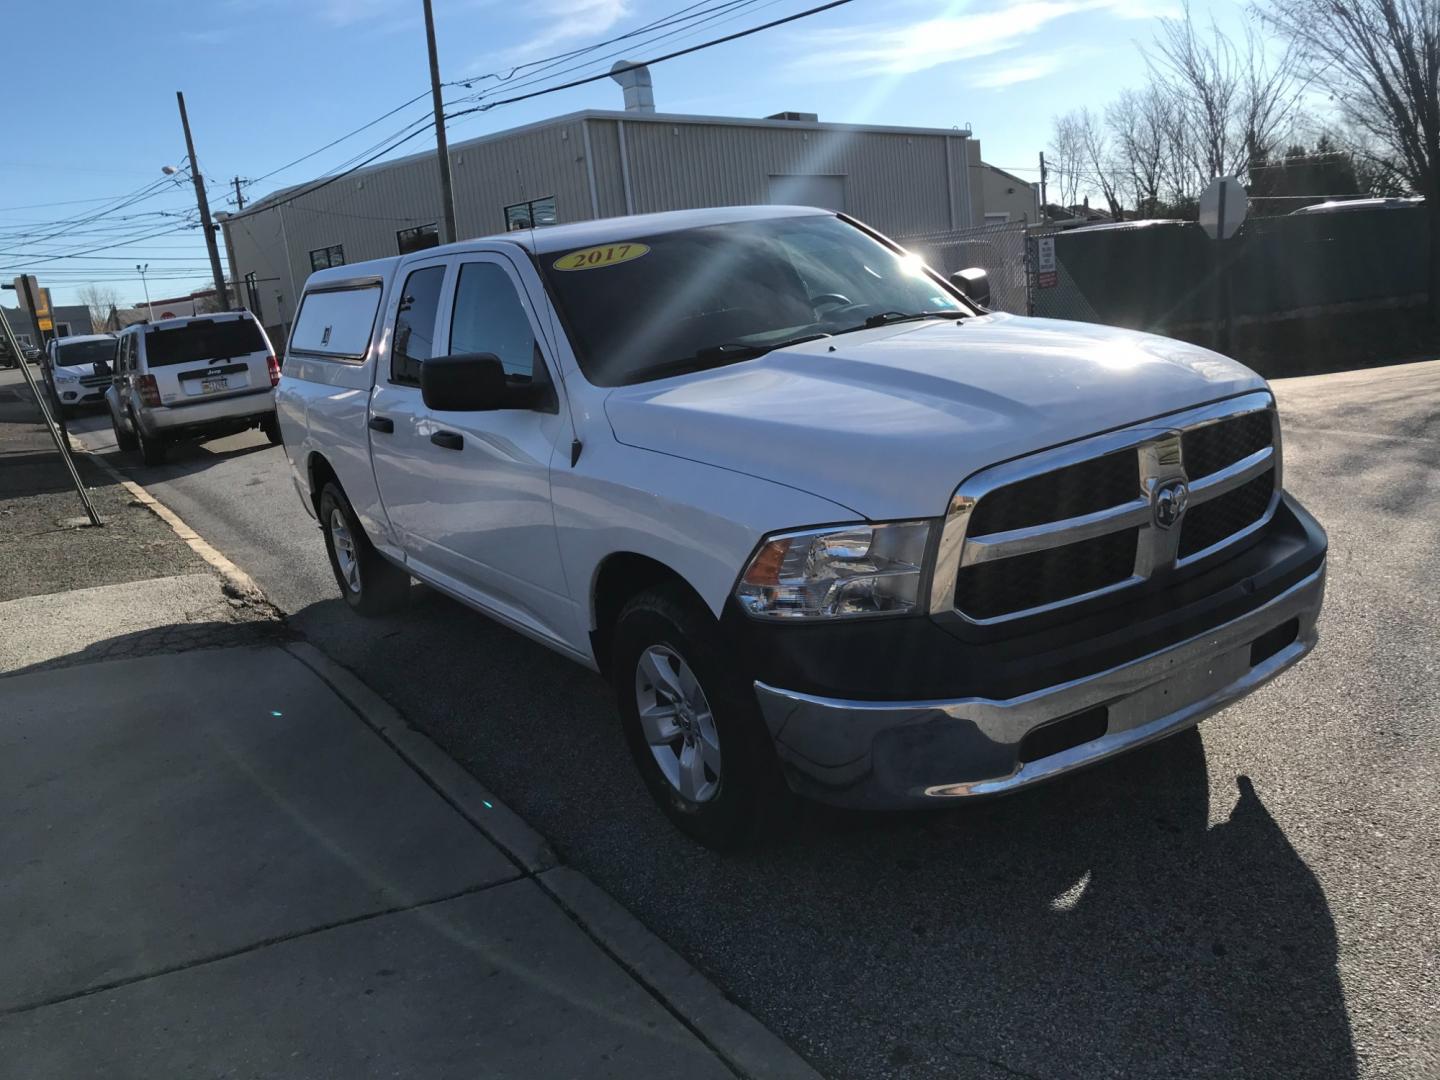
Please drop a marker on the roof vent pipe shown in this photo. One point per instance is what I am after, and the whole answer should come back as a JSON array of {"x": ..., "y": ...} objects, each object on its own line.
[{"x": 639, "y": 92}]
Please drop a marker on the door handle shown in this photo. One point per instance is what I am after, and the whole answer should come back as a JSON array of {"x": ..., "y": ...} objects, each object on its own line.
[
  {"x": 382, "y": 423},
  {"x": 448, "y": 439}
]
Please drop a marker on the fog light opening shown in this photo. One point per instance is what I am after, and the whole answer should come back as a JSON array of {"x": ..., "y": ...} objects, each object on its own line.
[
  {"x": 1064, "y": 734},
  {"x": 1272, "y": 641}
]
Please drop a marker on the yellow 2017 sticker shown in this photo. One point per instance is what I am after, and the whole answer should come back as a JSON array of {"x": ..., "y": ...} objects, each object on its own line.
[{"x": 593, "y": 258}]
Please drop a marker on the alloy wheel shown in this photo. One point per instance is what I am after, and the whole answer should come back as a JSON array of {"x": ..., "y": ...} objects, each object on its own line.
[
  {"x": 678, "y": 723},
  {"x": 345, "y": 556}
]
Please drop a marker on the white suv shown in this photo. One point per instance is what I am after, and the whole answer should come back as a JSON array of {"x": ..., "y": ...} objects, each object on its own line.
[
  {"x": 192, "y": 378},
  {"x": 814, "y": 513},
  {"x": 78, "y": 369}
]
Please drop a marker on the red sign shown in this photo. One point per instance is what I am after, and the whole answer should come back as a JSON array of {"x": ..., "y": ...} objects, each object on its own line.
[{"x": 1048, "y": 279}]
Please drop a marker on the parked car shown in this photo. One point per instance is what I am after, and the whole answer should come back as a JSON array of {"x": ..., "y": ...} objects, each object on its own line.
[
  {"x": 199, "y": 377},
  {"x": 818, "y": 518},
  {"x": 77, "y": 369}
]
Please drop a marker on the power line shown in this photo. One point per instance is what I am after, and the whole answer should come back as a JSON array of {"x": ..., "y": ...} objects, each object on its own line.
[{"x": 659, "y": 59}]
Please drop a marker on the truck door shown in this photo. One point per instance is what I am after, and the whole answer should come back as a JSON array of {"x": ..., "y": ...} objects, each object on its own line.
[
  {"x": 399, "y": 446},
  {"x": 489, "y": 520}
]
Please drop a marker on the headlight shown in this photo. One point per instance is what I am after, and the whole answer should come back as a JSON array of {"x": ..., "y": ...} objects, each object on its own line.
[
  {"x": 65, "y": 376},
  {"x": 844, "y": 572}
]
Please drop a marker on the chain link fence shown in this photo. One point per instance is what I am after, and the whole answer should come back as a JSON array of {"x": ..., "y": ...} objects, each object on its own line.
[{"x": 999, "y": 250}]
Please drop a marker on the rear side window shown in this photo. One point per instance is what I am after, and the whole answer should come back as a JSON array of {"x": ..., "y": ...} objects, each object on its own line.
[
  {"x": 336, "y": 322},
  {"x": 415, "y": 325},
  {"x": 202, "y": 339}
]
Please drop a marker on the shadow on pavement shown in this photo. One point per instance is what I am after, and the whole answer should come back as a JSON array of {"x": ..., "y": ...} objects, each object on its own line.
[
  {"x": 180, "y": 637},
  {"x": 1100, "y": 925}
]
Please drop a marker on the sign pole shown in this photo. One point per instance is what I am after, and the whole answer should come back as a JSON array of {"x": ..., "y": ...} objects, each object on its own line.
[
  {"x": 1222, "y": 276},
  {"x": 61, "y": 442}
]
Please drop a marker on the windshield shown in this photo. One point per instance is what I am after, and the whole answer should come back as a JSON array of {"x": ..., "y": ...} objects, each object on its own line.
[
  {"x": 646, "y": 306},
  {"x": 202, "y": 339},
  {"x": 80, "y": 353}
]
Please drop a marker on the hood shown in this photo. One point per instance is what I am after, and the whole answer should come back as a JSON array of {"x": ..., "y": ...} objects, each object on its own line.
[{"x": 891, "y": 420}]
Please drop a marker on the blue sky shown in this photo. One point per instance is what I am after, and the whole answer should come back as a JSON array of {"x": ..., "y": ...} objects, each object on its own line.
[{"x": 266, "y": 81}]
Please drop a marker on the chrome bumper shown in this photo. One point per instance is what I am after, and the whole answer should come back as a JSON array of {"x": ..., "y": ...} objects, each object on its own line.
[{"x": 907, "y": 753}]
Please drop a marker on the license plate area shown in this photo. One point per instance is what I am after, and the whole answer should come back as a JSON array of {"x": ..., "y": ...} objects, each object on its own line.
[{"x": 214, "y": 385}]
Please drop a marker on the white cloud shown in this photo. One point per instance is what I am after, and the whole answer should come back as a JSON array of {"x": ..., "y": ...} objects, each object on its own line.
[
  {"x": 568, "y": 20},
  {"x": 884, "y": 49},
  {"x": 1014, "y": 72}
]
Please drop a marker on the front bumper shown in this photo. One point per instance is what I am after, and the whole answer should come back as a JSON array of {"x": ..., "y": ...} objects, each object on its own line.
[{"x": 892, "y": 754}]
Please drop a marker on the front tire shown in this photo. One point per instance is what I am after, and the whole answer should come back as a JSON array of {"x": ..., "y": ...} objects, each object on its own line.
[
  {"x": 370, "y": 583},
  {"x": 691, "y": 720}
]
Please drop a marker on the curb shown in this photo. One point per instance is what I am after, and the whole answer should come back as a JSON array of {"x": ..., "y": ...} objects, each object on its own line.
[
  {"x": 745, "y": 1045},
  {"x": 525, "y": 847},
  {"x": 238, "y": 580}
]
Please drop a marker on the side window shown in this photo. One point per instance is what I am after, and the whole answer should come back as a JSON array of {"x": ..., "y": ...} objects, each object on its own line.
[
  {"x": 122, "y": 359},
  {"x": 489, "y": 318},
  {"x": 415, "y": 325}
]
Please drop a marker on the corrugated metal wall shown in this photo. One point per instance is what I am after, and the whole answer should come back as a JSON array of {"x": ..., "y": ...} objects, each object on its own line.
[
  {"x": 894, "y": 182},
  {"x": 899, "y": 182}
]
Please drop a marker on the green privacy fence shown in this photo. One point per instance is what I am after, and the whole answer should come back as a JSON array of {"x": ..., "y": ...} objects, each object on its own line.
[{"x": 1160, "y": 276}]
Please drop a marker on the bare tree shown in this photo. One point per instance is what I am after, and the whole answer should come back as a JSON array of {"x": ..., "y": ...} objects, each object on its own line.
[
  {"x": 1380, "y": 62},
  {"x": 1231, "y": 101},
  {"x": 99, "y": 299},
  {"x": 1099, "y": 168},
  {"x": 1140, "y": 122},
  {"x": 1067, "y": 158}
]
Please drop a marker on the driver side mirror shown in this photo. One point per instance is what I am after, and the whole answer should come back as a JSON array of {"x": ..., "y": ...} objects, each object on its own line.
[
  {"x": 473, "y": 382},
  {"x": 974, "y": 283}
]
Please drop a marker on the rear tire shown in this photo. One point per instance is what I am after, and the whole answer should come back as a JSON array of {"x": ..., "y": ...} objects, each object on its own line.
[
  {"x": 271, "y": 427},
  {"x": 709, "y": 764},
  {"x": 151, "y": 447},
  {"x": 370, "y": 583},
  {"x": 125, "y": 440}
]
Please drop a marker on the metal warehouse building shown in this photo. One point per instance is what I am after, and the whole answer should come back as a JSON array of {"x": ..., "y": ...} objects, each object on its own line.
[{"x": 593, "y": 164}]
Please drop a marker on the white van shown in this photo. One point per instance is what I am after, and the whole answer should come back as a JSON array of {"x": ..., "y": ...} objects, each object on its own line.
[{"x": 197, "y": 377}]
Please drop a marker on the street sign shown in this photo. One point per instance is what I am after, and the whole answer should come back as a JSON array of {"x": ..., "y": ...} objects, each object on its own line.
[
  {"x": 1223, "y": 207},
  {"x": 1047, "y": 276},
  {"x": 45, "y": 323},
  {"x": 1045, "y": 255}
]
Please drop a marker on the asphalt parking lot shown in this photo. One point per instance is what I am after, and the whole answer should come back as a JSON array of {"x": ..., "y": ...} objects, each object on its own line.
[{"x": 1255, "y": 898}]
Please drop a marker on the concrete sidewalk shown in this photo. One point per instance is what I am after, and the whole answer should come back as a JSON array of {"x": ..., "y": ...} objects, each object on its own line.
[{"x": 217, "y": 865}]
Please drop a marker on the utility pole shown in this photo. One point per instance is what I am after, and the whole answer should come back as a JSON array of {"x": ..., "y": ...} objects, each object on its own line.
[
  {"x": 1044, "y": 213},
  {"x": 442, "y": 149},
  {"x": 141, "y": 270},
  {"x": 239, "y": 199},
  {"x": 221, "y": 293}
]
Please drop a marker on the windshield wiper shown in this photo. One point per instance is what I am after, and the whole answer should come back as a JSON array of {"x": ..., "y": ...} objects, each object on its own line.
[
  {"x": 886, "y": 318},
  {"x": 728, "y": 352}
]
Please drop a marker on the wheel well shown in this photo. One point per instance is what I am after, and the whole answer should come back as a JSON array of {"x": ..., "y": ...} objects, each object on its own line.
[
  {"x": 321, "y": 473},
  {"x": 620, "y": 577}
]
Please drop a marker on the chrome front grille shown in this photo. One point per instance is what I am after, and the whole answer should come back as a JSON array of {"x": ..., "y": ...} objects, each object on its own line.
[
  {"x": 94, "y": 380},
  {"x": 1100, "y": 515}
]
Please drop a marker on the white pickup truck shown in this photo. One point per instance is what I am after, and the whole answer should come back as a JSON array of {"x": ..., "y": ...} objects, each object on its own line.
[{"x": 822, "y": 520}]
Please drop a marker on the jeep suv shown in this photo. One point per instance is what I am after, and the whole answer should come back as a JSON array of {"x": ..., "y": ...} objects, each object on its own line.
[{"x": 198, "y": 377}]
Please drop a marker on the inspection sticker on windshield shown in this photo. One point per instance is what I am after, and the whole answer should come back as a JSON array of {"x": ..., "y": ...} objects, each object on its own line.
[{"x": 593, "y": 258}]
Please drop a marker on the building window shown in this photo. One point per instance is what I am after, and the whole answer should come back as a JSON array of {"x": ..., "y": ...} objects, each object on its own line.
[
  {"x": 999, "y": 217},
  {"x": 530, "y": 215},
  {"x": 418, "y": 238},
  {"x": 326, "y": 257},
  {"x": 62, "y": 329},
  {"x": 24, "y": 340}
]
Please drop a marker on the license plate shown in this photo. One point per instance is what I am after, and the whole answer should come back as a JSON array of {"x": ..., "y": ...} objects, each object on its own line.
[{"x": 211, "y": 386}]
